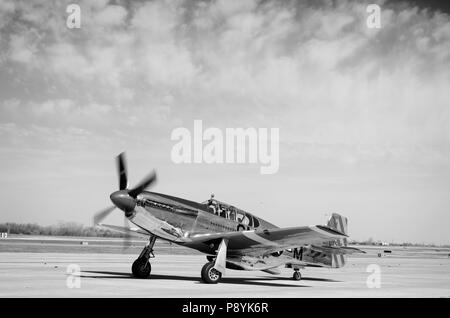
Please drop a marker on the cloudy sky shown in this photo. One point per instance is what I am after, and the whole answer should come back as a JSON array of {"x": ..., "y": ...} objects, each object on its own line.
[{"x": 364, "y": 114}]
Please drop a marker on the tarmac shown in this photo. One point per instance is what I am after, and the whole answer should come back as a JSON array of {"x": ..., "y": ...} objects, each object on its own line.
[{"x": 89, "y": 273}]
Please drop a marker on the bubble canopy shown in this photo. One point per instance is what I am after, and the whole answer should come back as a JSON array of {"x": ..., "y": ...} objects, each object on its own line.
[{"x": 230, "y": 212}]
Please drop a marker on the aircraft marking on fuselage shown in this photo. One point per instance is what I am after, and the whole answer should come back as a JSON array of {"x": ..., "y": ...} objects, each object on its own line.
[{"x": 255, "y": 237}]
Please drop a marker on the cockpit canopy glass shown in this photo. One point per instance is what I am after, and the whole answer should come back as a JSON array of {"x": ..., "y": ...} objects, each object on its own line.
[{"x": 231, "y": 213}]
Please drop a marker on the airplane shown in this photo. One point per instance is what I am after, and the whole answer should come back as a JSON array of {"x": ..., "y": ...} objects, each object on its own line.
[{"x": 230, "y": 237}]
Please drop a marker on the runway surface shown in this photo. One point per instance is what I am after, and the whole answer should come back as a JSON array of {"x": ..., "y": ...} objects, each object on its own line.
[{"x": 45, "y": 274}]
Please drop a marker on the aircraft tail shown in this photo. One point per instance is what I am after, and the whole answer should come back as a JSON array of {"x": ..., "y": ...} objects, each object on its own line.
[
  {"x": 330, "y": 254},
  {"x": 338, "y": 223}
]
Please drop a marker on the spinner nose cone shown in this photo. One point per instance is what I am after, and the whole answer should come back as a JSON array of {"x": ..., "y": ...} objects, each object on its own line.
[{"x": 123, "y": 201}]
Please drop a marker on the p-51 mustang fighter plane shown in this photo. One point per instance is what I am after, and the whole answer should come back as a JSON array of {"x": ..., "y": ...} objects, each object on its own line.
[{"x": 231, "y": 238}]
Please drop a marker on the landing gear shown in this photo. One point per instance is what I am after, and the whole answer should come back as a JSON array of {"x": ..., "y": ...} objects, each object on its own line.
[
  {"x": 141, "y": 267},
  {"x": 210, "y": 275},
  {"x": 297, "y": 275},
  {"x": 213, "y": 270}
]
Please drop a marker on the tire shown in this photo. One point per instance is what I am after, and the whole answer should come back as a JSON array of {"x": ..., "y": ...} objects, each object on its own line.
[
  {"x": 240, "y": 227},
  {"x": 141, "y": 268},
  {"x": 297, "y": 275},
  {"x": 210, "y": 275}
]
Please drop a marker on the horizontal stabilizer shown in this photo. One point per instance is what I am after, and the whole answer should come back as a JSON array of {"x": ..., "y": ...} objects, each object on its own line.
[
  {"x": 338, "y": 250},
  {"x": 273, "y": 271}
]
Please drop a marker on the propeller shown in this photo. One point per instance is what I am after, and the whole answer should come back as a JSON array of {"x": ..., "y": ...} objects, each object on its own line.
[
  {"x": 124, "y": 198},
  {"x": 144, "y": 184},
  {"x": 127, "y": 238},
  {"x": 122, "y": 171},
  {"x": 99, "y": 216}
]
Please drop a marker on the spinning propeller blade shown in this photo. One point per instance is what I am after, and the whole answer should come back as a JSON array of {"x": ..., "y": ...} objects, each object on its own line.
[
  {"x": 144, "y": 184},
  {"x": 99, "y": 216},
  {"x": 127, "y": 238},
  {"x": 122, "y": 171}
]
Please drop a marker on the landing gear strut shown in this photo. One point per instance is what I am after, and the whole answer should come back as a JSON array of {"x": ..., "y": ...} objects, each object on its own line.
[
  {"x": 141, "y": 267},
  {"x": 297, "y": 275}
]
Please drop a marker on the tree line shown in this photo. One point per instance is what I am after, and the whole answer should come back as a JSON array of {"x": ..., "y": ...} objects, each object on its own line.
[
  {"x": 60, "y": 229},
  {"x": 76, "y": 229}
]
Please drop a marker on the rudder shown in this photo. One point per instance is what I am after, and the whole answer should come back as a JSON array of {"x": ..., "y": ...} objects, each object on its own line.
[{"x": 340, "y": 224}]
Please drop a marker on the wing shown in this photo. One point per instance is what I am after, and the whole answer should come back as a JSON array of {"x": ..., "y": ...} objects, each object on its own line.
[
  {"x": 259, "y": 242},
  {"x": 137, "y": 232}
]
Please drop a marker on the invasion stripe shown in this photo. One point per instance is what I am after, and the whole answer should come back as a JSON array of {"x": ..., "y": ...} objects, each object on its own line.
[{"x": 342, "y": 229}]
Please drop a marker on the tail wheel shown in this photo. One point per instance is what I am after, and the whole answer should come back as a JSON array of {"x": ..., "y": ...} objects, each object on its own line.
[
  {"x": 141, "y": 268},
  {"x": 297, "y": 275},
  {"x": 210, "y": 275}
]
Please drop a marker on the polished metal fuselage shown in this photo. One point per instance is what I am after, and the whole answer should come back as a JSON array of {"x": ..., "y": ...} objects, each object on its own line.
[{"x": 176, "y": 219}]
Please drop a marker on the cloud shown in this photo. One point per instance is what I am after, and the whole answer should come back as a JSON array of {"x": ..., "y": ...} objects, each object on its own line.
[
  {"x": 112, "y": 15},
  {"x": 20, "y": 51},
  {"x": 312, "y": 68},
  {"x": 363, "y": 113}
]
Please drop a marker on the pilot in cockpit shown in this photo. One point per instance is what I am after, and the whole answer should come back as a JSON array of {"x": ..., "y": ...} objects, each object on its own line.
[
  {"x": 211, "y": 200},
  {"x": 212, "y": 204},
  {"x": 223, "y": 212}
]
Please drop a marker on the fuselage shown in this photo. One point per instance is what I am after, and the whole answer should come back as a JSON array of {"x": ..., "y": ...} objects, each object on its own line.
[{"x": 177, "y": 219}]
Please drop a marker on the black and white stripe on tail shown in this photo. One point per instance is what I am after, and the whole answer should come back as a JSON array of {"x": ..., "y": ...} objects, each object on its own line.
[{"x": 338, "y": 223}]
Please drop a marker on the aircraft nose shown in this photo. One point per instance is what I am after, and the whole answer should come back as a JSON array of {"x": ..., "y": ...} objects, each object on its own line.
[{"x": 123, "y": 201}]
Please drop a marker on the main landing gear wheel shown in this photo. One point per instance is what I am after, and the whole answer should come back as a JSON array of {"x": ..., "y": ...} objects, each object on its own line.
[
  {"x": 297, "y": 275},
  {"x": 210, "y": 275},
  {"x": 141, "y": 268}
]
